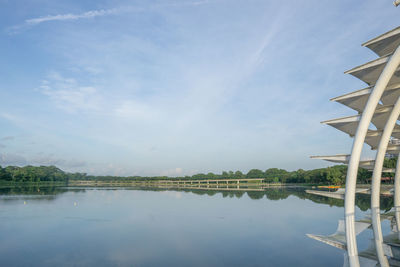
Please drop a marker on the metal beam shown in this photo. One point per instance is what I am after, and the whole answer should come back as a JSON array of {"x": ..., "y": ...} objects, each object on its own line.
[
  {"x": 376, "y": 183},
  {"x": 358, "y": 143}
]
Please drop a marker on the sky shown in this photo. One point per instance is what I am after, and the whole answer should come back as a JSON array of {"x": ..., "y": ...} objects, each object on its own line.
[{"x": 178, "y": 87}]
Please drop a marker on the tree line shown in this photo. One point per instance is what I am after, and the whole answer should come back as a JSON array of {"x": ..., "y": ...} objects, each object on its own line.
[
  {"x": 335, "y": 175},
  {"x": 32, "y": 174}
]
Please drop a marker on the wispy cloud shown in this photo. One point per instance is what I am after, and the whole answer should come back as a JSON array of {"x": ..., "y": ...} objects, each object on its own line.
[
  {"x": 94, "y": 13},
  {"x": 52, "y": 160},
  {"x": 172, "y": 172},
  {"x": 7, "y": 159},
  {"x": 7, "y": 138},
  {"x": 68, "y": 94},
  {"x": 71, "y": 96},
  {"x": 134, "y": 109},
  {"x": 12, "y": 159},
  {"x": 201, "y": 85},
  {"x": 63, "y": 17},
  {"x": 86, "y": 15}
]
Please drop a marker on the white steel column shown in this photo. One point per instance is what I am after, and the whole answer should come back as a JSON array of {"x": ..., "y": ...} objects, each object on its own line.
[
  {"x": 397, "y": 195},
  {"x": 351, "y": 179},
  {"x": 376, "y": 182}
]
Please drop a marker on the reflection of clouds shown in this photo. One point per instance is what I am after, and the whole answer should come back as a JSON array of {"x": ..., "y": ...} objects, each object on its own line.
[
  {"x": 177, "y": 195},
  {"x": 67, "y": 260},
  {"x": 128, "y": 255},
  {"x": 88, "y": 219},
  {"x": 154, "y": 228},
  {"x": 6, "y": 198}
]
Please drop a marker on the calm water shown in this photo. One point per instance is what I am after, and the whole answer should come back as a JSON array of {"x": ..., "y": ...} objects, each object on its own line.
[{"x": 130, "y": 227}]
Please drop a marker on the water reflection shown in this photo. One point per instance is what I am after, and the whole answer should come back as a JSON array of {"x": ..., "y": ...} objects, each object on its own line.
[
  {"x": 49, "y": 193},
  {"x": 278, "y": 193},
  {"x": 125, "y": 226},
  {"x": 388, "y": 245}
]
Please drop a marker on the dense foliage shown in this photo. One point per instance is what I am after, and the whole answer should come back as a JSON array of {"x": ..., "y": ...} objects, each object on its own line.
[
  {"x": 32, "y": 174},
  {"x": 330, "y": 175}
]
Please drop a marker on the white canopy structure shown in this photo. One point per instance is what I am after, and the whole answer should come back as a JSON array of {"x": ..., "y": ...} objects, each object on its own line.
[
  {"x": 344, "y": 159},
  {"x": 386, "y": 43},
  {"x": 370, "y": 72},
  {"x": 358, "y": 99},
  {"x": 338, "y": 239},
  {"x": 377, "y": 105},
  {"x": 390, "y": 243},
  {"x": 373, "y": 137},
  {"x": 350, "y": 124}
]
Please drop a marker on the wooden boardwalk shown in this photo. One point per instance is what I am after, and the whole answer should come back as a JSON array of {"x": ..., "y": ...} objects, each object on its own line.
[{"x": 257, "y": 184}]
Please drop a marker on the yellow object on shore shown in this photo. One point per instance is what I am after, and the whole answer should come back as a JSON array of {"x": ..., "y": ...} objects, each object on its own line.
[{"x": 329, "y": 186}]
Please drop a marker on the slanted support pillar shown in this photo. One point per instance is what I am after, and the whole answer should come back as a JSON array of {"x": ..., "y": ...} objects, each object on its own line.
[
  {"x": 351, "y": 178},
  {"x": 397, "y": 195},
  {"x": 376, "y": 183}
]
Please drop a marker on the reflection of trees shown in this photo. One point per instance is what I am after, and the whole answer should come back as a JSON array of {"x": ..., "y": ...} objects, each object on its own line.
[
  {"x": 271, "y": 194},
  {"x": 277, "y": 194},
  {"x": 239, "y": 194},
  {"x": 300, "y": 193},
  {"x": 230, "y": 194},
  {"x": 362, "y": 201},
  {"x": 211, "y": 193},
  {"x": 36, "y": 190},
  {"x": 256, "y": 194}
]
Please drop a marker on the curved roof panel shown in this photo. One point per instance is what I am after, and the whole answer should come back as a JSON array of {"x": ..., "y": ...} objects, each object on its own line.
[
  {"x": 386, "y": 43},
  {"x": 349, "y": 124},
  {"x": 345, "y": 158},
  {"x": 358, "y": 99},
  {"x": 370, "y": 71}
]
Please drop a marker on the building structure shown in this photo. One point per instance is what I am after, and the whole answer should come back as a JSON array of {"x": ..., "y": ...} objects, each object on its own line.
[
  {"x": 393, "y": 141},
  {"x": 378, "y": 110}
]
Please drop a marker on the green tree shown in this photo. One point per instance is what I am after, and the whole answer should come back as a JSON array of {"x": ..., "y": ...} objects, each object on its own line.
[
  {"x": 238, "y": 175},
  {"x": 255, "y": 173}
]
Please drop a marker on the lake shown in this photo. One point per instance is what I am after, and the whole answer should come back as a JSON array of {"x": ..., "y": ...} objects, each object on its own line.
[{"x": 67, "y": 226}]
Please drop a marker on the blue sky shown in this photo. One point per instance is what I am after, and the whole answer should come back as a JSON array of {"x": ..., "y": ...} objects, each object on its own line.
[{"x": 179, "y": 87}]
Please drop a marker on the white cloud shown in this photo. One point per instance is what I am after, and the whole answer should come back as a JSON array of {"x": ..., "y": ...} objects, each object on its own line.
[
  {"x": 12, "y": 159},
  {"x": 7, "y": 138},
  {"x": 69, "y": 95},
  {"x": 130, "y": 109},
  {"x": 63, "y": 17},
  {"x": 172, "y": 172},
  {"x": 244, "y": 88},
  {"x": 86, "y": 15},
  {"x": 62, "y": 163},
  {"x": 94, "y": 13}
]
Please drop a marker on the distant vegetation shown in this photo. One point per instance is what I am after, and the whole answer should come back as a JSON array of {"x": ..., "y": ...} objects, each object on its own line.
[
  {"x": 33, "y": 174},
  {"x": 330, "y": 175}
]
